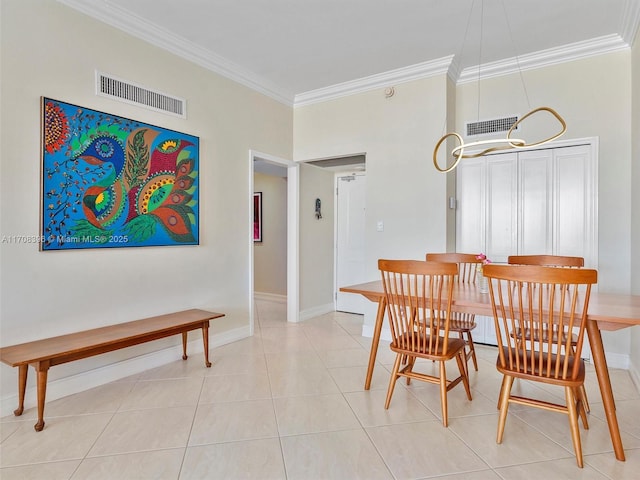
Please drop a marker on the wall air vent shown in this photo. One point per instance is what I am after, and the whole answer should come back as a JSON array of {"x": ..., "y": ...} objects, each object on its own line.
[
  {"x": 115, "y": 88},
  {"x": 485, "y": 127}
]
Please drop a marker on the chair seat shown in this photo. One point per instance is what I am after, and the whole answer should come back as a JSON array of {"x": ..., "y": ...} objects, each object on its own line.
[
  {"x": 455, "y": 345},
  {"x": 535, "y": 368},
  {"x": 462, "y": 325}
]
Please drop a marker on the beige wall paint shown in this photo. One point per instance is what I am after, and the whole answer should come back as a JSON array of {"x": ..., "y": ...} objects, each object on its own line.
[
  {"x": 316, "y": 241},
  {"x": 403, "y": 189},
  {"x": 397, "y": 135},
  {"x": 55, "y": 53},
  {"x": 451, "y": 177},
  {"x": 270, "y": 255},
  {"x": 635, "y": 198}
]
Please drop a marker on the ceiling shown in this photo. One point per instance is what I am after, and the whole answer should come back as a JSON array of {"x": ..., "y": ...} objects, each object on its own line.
[{"x": 296, "y": 50}]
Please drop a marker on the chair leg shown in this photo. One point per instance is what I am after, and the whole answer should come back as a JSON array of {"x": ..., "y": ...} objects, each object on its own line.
[
  {"x": 507, "y": 383},
  {"x": 573, "y": 424},
  {"x": 580, "y": 403},
  {"x": 443, "y": 394},
  {"x": 462, "y": 366},
  {"x": 472, "y": 350},
  {"x": 585, "y": 402},
  {"x": 392, "y": 381},
  {"x": 504, "y": 380},
  {"x": 411, "y": 361},
  {"x": 465, "y": 354}
]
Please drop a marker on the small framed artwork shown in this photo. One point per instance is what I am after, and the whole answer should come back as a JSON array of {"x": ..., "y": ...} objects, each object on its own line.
[
  {"x": 257, "y": 217},
  {"x": 109, "y": 181}
]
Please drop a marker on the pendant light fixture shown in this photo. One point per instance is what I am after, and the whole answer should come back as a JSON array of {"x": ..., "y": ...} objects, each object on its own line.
[{"x": 457, "y": 153}]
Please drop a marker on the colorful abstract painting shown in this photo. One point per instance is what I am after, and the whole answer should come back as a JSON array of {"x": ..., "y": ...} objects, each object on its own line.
[{"x": 108, "y": 181}]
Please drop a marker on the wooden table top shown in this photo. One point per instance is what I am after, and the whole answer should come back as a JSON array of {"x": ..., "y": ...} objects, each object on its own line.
[{"x": 611, "y": 311}]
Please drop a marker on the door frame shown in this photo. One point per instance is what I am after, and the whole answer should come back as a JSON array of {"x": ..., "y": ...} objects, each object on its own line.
[{"x": 293, "y": 268}]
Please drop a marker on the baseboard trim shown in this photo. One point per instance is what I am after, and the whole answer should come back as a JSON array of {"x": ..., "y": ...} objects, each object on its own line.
[
  {"x": 617, "y": 360},
  {"x": 635, "y": 376},
  {"x": 270, "y": 297},
  {"x": 80, "y": 382},
  {"x": 317, "y": 311},
  {"x": 385, "y": 334}
]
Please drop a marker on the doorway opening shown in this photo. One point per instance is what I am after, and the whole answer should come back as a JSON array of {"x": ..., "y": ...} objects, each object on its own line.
[
  {"x": 349, "y": 226},
  {"x": 272, "y": 165}
]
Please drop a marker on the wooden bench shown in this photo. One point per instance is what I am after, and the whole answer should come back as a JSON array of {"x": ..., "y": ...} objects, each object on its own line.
[{"x": 46, "y": 353}]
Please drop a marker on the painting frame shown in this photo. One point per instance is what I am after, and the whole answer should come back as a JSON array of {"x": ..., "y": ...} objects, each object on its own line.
[
  {"x": 109, "y": 181},
  {"x": 257, "y": 217}
]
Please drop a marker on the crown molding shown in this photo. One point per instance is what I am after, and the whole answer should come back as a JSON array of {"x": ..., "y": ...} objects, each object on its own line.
[
  {"x": 630, "y": 21},
  {"x": 139, "y": 27},
  {"x": 544, "y": 58},
  {"x": 379, "y": 80},
  {"x": 151, "y": 33}
]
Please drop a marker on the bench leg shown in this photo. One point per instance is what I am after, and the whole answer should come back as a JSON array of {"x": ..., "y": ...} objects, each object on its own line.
[
  {"x": 205, "y": 340},
  {"x": 42, "y": 369},
  {"x": 22, "y": 387},
  {"x": 184, "y": 345}
]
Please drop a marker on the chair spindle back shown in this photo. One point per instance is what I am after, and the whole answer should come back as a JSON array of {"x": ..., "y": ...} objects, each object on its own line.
[
  {"x": 528, "y": 303},
  {"x": 418, "y": 295}
]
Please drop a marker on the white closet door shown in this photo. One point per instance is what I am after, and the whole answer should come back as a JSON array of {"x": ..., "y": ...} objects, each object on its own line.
[
  {"x": 502, "y": 207},
  {"x": 470, "y": 215},
  {"x": 526, "y": 203},
  {"x": 535, "y": 225},
  {"x": 575, "y": 206}
]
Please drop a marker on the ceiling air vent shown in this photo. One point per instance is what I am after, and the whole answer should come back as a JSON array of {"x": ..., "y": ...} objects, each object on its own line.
[
  {"x": 485, "y": 127},
  {"x": 112, "y": 87}
]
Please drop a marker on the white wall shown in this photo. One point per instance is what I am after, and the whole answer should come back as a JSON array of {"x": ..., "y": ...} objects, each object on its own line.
[
  {"x": 451, "y": 177},
  {"x": 635, "y": 200},
  {"x": 49, "y": 49},
  {"x": 403, "y": 189},
  {"x": 316, "y": 241},
  {"x": 270, "y": 255}
]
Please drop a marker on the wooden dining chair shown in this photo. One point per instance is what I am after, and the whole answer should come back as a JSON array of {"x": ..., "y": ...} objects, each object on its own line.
[
  {"x": 533, "y": 298},
  {"x": 462, "y": 323},
  {"x": 547, "y": 260},
  {"x": 554, "y": 261},
  {"x": 418, "y": 297}
]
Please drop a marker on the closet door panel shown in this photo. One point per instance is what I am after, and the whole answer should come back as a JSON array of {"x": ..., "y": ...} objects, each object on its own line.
[
  {"x": 571, "y": 224},
  {"x": 502, "y": 201},
  {"x": 536, "y": 199},
  {"x": 470, "y": 190}
]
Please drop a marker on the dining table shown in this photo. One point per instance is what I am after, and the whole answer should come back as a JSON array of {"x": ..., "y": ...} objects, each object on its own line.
[{"x": 606, "y": 311}]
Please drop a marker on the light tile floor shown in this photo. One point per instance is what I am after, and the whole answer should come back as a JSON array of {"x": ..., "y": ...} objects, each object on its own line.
[{"x": 288, "y": 403}]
